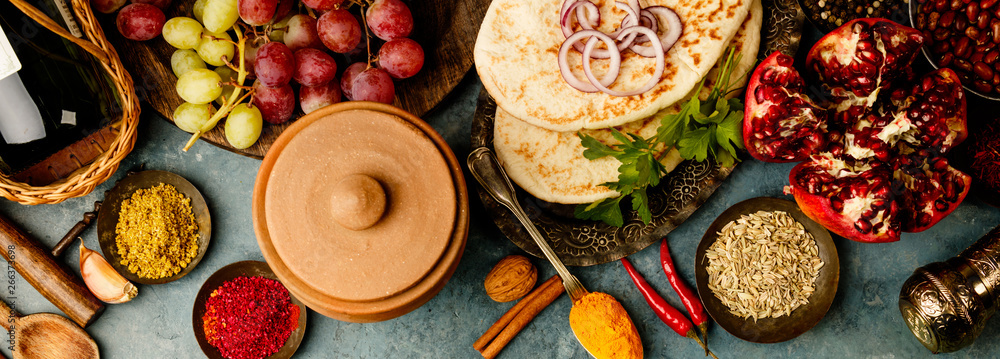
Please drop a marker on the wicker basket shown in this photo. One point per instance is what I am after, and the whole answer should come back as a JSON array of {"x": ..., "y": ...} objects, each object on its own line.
[{"x": 83, "y": 180}]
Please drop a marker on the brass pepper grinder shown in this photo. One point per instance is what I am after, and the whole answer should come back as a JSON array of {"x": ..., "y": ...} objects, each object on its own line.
[{"x": 947, "y": 304}]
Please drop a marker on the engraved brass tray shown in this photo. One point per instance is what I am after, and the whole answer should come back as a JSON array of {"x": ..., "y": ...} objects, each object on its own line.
[{"x": 585, "y": 243}]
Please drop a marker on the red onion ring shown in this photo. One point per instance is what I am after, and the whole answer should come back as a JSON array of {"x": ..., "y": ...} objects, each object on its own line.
[
  {"x": 638, "y": 27},
  {"x": 581, "y": 15},
  {"x": 613, "y": 69},
  {"x": 669, "y": 37},
  {"x": 567, "y": 26},
  {"x": 660, "y": 64}
]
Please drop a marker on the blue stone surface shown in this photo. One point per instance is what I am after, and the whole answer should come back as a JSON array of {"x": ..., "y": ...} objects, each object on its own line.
[{"x": 863, "y": 322}]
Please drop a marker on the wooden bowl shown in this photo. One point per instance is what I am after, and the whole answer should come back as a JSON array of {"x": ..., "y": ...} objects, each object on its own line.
[
  {"x": 107, "y": 219},
  {"x": 803, "y": 318},
  {"x": 371, "y": 274},
  {"x": 230, "y": 272}
]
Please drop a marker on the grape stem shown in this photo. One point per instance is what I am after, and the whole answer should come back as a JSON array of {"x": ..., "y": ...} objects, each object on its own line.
[
  {"x": 234, "y": 98},
  {"x": 214, "y": 38},
  {"x": 368, "y": 36}
]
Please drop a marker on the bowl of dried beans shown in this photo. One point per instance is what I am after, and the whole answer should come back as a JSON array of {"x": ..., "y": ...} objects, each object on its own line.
[
  {"x": 963, "y": 36},
  {"x": 243, "y": 312}
]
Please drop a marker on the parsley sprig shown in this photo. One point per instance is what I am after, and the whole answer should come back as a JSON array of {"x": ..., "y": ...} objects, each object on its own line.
[{"x": 713, "y": 127}]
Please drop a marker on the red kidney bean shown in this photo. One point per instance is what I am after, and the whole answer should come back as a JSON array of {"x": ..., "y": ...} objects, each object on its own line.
[
  {"x": 986, "y": 4},
  {"x": 972, "y": 32},
  {"x": 946, "y": 60},
  {"x": 941, "y": 5},
  {"x": 957, "y": 4},
  {"x": 947, "y": 19},
  {"x": 983, "y": 20},
  {"x": 995, "y": 27},
  {"x": 982, "y": 86},
  {"x": 933, "y": 20},
  {"x": 962, "y": 48},
  {"x": 976, "y": 57},
  {"x": 996, "y": 66},
  {"x": 991, "y": 57},
  {"x": 983, "y": 71},
  {"x": 961, "y": 22},
  {"x": 972, "y": 10},
  {"x": 941, "y": 34},
  {"x": 963, "y": 65},
  {"x": 996, "y": 79}
]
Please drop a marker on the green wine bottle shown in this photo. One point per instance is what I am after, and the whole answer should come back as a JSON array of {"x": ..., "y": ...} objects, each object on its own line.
[{"x": 66, "y": 87}]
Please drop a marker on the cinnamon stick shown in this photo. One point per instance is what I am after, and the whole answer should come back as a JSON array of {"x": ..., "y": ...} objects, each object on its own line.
[
  {"x": 501, "y": 323},
  {"x": 511, "y": 323}
]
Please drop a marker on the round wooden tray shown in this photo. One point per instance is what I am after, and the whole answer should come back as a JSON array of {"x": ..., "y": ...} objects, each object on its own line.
[{"x": 445, "y": 29}]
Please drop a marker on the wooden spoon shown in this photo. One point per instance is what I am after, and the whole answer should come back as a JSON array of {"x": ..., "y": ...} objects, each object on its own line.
[{"x": 46, "y": 335}]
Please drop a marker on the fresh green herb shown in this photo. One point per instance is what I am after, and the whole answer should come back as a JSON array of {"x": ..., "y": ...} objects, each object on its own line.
[{"x": 699, "y": 130}]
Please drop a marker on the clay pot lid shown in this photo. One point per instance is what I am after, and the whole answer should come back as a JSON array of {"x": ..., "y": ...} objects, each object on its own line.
[{"x": 323, "y": 227}]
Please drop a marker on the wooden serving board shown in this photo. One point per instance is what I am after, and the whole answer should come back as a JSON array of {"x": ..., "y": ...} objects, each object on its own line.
[{"x": 446, "y": 30}]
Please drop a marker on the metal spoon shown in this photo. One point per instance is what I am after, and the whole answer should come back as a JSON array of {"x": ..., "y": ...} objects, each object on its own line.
[{"x": 487, "y": 170}]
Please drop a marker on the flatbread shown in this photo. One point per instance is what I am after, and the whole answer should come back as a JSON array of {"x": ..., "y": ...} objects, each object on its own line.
[
  {"x": 550, "y": 165},
  {"x": 517, "y": 49}
]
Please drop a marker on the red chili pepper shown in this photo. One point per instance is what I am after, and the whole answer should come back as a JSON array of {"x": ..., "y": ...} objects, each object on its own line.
[
  {"x": 667, "y": 313},
  {"x": 688, "y": 297}
]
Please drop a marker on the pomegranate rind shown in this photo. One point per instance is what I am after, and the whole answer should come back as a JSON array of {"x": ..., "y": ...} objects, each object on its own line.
[{"x": 802, "y": 130}]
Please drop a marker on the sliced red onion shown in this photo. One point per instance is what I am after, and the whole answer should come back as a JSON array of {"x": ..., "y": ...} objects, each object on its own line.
[
  {"x": 591, "y": 21},
  {"x": 638, "y": 27},
  {"x": 647, "y": 19},
  {"x": 636, "y": 8},
  {"x": 579, "y": 6},
  {"x": 653, "y": 80},
  {"x": 613, "y": 69},
  {"x": 670, "y": 35}
]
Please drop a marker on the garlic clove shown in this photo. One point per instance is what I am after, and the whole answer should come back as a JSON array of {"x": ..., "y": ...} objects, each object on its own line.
[{"x": 103, "y": 280}]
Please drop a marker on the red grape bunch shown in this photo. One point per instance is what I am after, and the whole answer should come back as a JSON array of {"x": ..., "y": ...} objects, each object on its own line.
[{"x": 323, "y": 50}]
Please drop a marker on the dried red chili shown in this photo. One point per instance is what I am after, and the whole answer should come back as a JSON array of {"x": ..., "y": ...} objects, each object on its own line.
[
  {"x": 984, "y": 151},
  {"x": 249, "y": 317}
]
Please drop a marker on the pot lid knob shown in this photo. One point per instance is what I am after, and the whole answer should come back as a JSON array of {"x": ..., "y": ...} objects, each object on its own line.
[{"x": 358, "y": 202}]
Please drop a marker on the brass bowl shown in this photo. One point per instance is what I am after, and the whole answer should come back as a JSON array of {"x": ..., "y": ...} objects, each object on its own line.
[
  {"x": 803, "y": 318},
  {"x": 107, "y": 219},
  {"x": 230, "y": 272}
]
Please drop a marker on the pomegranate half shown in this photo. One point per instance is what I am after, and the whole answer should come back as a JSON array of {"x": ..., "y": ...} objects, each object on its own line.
[{"x": 872, "y": 142}]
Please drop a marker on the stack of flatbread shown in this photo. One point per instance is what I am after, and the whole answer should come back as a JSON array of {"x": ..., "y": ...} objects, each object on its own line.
[{"x": 539, "y": 115}]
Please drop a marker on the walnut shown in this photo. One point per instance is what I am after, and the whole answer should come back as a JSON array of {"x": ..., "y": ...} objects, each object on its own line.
[{"x": 511, "y": 278}]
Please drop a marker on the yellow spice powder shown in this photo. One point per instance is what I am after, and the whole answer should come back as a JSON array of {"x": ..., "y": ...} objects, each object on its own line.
[
  {"x": 604, "y": 328},
  {"x": 156, "y": 233}
]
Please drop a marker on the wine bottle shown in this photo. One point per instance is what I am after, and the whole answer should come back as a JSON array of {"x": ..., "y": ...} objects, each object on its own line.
[{"x": 59, "y": 87}]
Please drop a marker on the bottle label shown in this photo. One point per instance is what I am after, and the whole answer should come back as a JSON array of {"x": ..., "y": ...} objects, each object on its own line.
[
  {"x": 8, "y": 60},
  {"x": 68, "y": 118},
  {"x": 68, "y": 18}
]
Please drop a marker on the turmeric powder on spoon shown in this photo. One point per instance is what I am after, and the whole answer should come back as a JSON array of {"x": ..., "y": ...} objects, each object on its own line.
[{"x": 604, "y": 328}]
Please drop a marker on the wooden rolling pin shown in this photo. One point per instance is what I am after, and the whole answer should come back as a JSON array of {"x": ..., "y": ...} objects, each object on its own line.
[{"x": 49, "y": 277}]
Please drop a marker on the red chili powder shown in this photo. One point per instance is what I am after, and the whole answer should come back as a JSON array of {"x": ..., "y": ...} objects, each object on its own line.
[{"x": 249, "y": 317}]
